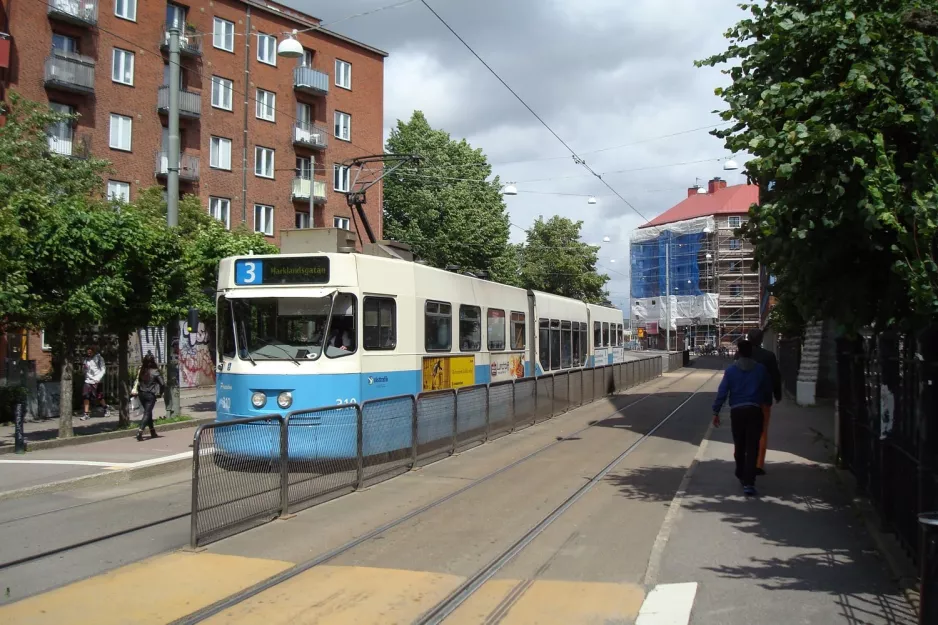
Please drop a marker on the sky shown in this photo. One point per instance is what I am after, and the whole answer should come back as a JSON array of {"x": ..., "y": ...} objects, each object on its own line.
[{"x": 610, "y": 75}]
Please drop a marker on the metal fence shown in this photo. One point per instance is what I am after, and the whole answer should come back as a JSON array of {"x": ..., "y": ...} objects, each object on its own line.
[
  {"x": 887, "y": 401},
  {"x": 248, "y": 471}
]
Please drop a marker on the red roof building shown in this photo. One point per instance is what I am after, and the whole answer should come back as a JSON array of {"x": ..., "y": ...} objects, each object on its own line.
[{"x": 719, "y": 200}]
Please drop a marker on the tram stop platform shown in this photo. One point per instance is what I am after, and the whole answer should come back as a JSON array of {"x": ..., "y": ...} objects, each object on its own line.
[{"x": 664, "y": 536}]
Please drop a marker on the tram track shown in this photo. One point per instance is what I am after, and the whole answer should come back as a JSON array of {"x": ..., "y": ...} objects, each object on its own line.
[
  {"x": 329, "y": 555},
  {"x": 448, "y": 605}
]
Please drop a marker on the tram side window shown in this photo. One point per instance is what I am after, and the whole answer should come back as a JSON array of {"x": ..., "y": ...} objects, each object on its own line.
[
  {"x": 565, "y": 345},
  {"x": 597, "y": 334},
  {"x": 495, "y": 328},
  {"x": 470, "y": 328},
  {"x": 605, "y": 334},
  {"x": 380, "y": 323},
  {"x": 576, "y": 343},
  {"x": 554, "y": 344},
  {"x": 543, "y": 341},
  {"x": 438, "y": 318},
  {"x": 517, "y": 330},
  {"x": 619, "y": 333},
  {"x": 225, "y": 339},
  {"x": 584, "y": 342}
]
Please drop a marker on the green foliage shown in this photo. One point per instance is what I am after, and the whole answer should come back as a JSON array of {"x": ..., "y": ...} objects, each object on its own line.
[
  {"x": 555, "y": 260},
  {"x": 192, "y": 214},
  {"x": 446, "y": 221},
  {"x": 836, "y": 101}
]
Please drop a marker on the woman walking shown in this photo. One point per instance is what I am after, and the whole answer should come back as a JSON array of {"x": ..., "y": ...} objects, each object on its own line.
[{"x": 148, "y": 387}]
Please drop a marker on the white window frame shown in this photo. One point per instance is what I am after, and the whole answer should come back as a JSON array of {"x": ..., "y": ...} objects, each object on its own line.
[
  {"x": 343, "y": 223},
  {"x": 267, "y": 211},
  {"x": 338, "y": 118},
  {"x": 216, "y": 152},
  {"x": 343, "y": 70},
  {"x": 268, "y": 44},
  {"x": 220, "y": 209},
  {"x": 307, "y": 59},
  {"x": 120, "y": 59},
  {"x": 123, "y": 195},
  {"x": 122, "y": 128},
  {"x": 130, "y": 10},
  {"x": 734, "y": 222},
  {"x": 219, "y": 87},
  {"x": 266, "y": 106},
  {"x": 302, "y": 220},
  {"x": 340, "y": 178},
  {"x": 264, "y": 161},
  {"x": 223, "y": 34}
]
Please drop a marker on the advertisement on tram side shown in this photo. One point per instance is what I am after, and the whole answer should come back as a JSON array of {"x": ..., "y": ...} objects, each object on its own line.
[
  {"x": 507, "y": 366},
  {"x": 440, "y": 372}
]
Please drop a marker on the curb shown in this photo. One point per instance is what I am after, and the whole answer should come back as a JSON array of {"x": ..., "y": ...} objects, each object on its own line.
[
  {"x": 56, "y": 443},
  {"x": 105, "y": 478}
]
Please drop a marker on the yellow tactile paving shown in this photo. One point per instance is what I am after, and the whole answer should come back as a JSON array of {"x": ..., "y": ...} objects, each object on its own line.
[
  {"x": 344, "y": 595},
  {"x": 154, "y": 591}
]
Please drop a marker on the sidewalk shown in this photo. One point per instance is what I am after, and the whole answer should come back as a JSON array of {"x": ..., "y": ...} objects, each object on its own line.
[
  {"x": 797, "y": 554},
  {"x": 198, "y": 403}
]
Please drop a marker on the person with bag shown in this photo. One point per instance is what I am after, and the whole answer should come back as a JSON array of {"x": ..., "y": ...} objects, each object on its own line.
[{"x": 148, "y": 387}]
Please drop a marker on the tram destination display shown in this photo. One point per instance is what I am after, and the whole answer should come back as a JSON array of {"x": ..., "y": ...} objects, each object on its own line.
[{"x": 296, "y": 270}]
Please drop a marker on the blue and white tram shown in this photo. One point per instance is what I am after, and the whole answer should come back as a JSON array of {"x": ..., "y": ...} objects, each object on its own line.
[{"x": 304, "y": 331}]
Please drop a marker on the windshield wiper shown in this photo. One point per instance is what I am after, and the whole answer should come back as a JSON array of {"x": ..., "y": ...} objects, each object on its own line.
[
  {"x": 281, "y": 348},
  {"x": 243, "y": 337}
]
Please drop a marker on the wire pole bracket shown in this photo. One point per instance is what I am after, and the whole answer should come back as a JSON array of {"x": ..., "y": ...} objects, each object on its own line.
[{"x": 359, "y": 186}]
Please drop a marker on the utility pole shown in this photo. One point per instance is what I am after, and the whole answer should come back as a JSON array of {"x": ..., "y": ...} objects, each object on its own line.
[
  {"x": 667, "y": 288},
  {"x": 172, "y": 215}
]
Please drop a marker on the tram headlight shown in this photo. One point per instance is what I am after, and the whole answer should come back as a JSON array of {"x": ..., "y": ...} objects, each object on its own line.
[
  {"x": 258, "y": 399},
  {"x": 285, "y": 399}
]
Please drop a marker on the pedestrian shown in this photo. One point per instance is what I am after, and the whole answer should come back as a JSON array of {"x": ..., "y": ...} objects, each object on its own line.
[
  {"x": 748, "y": 386},
  {"x": 768, "y": 360},
  {"x": 94, "y": 370},
  {"x": 148, "y": 387}
]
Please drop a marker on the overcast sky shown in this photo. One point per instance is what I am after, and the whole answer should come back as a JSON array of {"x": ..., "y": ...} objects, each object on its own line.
[{"x": 601, "y": 73}]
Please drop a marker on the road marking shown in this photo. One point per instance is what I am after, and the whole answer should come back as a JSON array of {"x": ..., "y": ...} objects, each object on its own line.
[
  {"x": 111, "y": 465},
  {"x": 668, "y": 604}
]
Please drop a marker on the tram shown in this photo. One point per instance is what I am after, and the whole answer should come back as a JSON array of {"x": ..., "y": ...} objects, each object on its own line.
[{"x": 304, "y": 331}]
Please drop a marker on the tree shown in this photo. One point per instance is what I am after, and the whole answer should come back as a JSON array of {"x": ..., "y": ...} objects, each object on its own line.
[
  {"x": 446, "y": 210},
  {"x": 555, "y": 260},
  {"x": 835, "y": 100}
]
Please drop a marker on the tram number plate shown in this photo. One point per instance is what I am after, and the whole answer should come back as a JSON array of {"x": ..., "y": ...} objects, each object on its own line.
[{"x": 303, "y": 270}]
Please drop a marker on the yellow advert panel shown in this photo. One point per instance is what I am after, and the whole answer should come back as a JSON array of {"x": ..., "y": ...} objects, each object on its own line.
[{"x": 441, "y": 372}]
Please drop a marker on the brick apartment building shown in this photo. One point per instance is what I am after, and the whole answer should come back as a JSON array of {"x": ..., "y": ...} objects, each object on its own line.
[{"x": 261, "y": 136}]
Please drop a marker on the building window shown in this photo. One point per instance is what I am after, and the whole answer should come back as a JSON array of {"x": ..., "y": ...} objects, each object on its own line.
[
  {"x": 267, "y": 49},
  {"x": 223, "y": 35},
  {"x": 264, "y": 219},
  {"x": 118, "y": 191},
  {"x": 126, "y": 9},
  {"x": 734, "y": 244},
  {"x": 220, "y": 153},
  {"x": 340, "y": 178},
  {"x": 343, "y": 74},
  {"x": 64, "y": 43},
  {"x": 222, "y": 89},
  {"x": 341, "y": 223},
  {"x": 343, "y": 126},
  {"x": 736, "y": 290},
  {"x": 122, "y": 67},
  {"x": 735, "y": 222},
  {"x": 220, "y": 209},
  {"x": 61, "y": 133},
  {"x": 304, "y": 167},
  {"x": 517, "y": 330},
  {"x": 263, "y": 162},
  {"x": 495, "y": 329},
  {"x": 266, "y": 102},
  {"x": 301, "y": 219},
  {"x": 307, "y": 59},
  {"x": 438, "y": 326},
  {"x": 121, "y": 129},
  {"x": 175, "y": 16},
  {"x": 380, "y": 323}
]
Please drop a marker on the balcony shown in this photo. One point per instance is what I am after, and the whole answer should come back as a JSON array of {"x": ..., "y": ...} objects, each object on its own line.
[
  {"x": 302, "y": 187},
  {"x": 308, "y": 80},
  {"x": 190, "y": 103},
  {"x": 310, "y": 136},
  {"x": 69, "y": 72},
  {"x": 190, "y": 44},
  {"x": 188, "y": 166},
  {"x": 78, "y": 12},
  {"x": 65, "y": 143}
]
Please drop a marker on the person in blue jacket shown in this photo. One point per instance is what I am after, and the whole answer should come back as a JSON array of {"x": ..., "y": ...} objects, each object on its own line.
[{"x": 748, "y": 386}]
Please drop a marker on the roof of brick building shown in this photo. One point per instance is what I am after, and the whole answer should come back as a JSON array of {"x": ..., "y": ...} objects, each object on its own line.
[{"x": 734, "y": 200}]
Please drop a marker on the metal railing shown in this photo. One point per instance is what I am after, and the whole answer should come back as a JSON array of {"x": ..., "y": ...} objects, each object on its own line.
[
  {"x": 310, "y": 80},
  {"x": 302, "y": 187},
  {"x": 248, "y": 471},
  {"x": 188, "y": 166},
  {"x": 79, "y": 12},
  {"x": 310, "y": 135},
  {"x": 190, "y": 42},
  {"x": 70, "y": 72},
  {"x": 190, "y": 103}
]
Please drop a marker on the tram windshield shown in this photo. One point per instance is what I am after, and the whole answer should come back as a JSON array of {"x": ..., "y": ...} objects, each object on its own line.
[{"x": 294, "y": 328}]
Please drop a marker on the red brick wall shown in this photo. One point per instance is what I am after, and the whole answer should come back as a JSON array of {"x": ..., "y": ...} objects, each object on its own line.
[{"x": 32, "y": 30}]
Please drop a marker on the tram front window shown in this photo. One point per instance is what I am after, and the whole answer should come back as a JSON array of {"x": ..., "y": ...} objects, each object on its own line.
[{"x": 295, "y": 328}]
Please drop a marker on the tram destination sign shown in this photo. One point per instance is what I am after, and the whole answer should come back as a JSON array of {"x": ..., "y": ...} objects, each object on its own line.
[{"x": 289, "y": 270}]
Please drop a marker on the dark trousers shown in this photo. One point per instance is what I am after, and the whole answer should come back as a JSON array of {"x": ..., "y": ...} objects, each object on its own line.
[
  {"x": 747, "y": 430},
  {"x": 147, "y": 400}
]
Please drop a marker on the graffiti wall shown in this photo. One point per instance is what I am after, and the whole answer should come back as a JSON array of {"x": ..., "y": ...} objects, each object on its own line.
[{"x": 196, "y": 362}]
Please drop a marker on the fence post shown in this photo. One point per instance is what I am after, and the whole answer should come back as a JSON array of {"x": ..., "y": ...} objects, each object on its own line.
[
  {"x": 513, "y": 410},
  {"x": 536, "y": 397},
  {"x": 194, "y": 513},
  {"x": 455, "y": 420},
  {"x": 359, "y": 449},
  {"x": 284, "y": 467},
  {"x": 488, "y": 390},
  {"x": 413, "y": 432}
]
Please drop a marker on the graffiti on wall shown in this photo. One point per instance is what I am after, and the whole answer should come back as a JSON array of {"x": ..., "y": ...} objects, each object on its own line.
[{"x": 196, "y": 365}]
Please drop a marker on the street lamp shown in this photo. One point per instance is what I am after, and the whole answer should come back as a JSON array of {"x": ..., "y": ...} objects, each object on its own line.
[
  {"x": 730, "y": 165},
  {"x": 290, "y": 48},
  {"x": 592, "y": 200},
  {"x": 510, "y": 189},
  {"x": 606, "y": 239}
]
